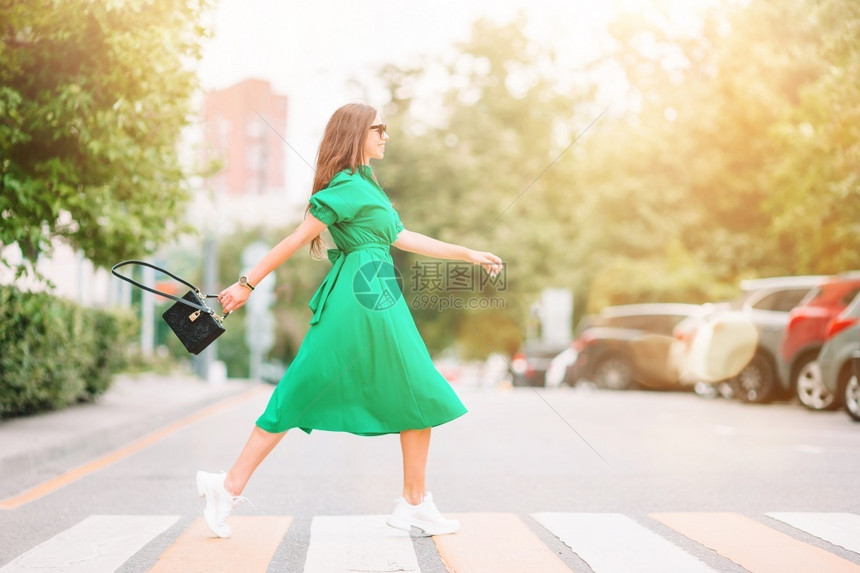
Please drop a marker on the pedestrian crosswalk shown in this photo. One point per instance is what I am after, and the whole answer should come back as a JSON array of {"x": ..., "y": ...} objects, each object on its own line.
[
  {"x": 773, "y": 551},
  {"x": 98, "y": 543},
  {"x": 250, "y": 548},
  {"x": 487, "y": 543},
  {"x": 593, "y": 536},
  {"x": 358, "y": 543}
]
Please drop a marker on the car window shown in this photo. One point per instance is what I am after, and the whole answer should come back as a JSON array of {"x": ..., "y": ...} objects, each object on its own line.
[
  {"x": 638, "y": 322},
  {"x": 849, "y": 296},
  {"x": 739, "y": 301},
  {"x": 782, "y": 300},
  {"x": 656, "y": 323},
  {"x": 812, "y": 296}
]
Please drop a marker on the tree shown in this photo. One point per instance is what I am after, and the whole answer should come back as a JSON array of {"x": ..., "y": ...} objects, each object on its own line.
[
  {"x": 491, "y": 171},
  {"x": 816, "y": 217},
  {"x": 93, "y": 97},
  {"x": 731, "y": 156}
]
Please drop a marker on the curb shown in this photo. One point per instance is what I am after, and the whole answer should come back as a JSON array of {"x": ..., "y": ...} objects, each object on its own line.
[{"x": 39, "y": 446}]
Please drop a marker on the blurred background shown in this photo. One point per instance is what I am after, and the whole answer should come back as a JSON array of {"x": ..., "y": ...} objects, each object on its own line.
[{"x": 612, "y": 152}]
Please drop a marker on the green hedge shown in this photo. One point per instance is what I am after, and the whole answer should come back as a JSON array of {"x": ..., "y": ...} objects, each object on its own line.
[{"x": 54, "y": 353}]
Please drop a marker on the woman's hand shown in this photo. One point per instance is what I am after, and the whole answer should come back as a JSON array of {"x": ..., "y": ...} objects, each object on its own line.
[
  {"x": 233, "y": 297},
  {"x": 491, "y": 263}
]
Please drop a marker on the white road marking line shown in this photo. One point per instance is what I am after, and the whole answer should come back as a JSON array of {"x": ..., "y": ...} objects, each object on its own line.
[
  {"x": 611, "y": 542},
  {"x": 358, "y": 543},
  {"x": 841, "y": 529},
  {"x": 97, "y": 544}
]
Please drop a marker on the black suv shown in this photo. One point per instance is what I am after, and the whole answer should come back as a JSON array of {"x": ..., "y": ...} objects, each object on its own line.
[{"x": 628, "y": 346}]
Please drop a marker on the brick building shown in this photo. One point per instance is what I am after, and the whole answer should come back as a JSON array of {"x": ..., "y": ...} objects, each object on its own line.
[{"x": 244, "y": 126}]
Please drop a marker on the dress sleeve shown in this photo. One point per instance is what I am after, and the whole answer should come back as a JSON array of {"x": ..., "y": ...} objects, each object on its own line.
[
  {"x": 398, "y": 224},
  {"x": 334, "y": 203}
]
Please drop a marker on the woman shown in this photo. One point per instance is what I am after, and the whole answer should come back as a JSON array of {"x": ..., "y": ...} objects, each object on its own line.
[{"x": 362, "y": 367}]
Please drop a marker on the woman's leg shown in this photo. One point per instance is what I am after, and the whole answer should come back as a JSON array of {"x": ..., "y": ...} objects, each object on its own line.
[
  {"x": 222, "y": 492},
  {"x": 258, "y": 446},
  {"x": 416, "y": 509},
  {"x": 415, "y": 445}
]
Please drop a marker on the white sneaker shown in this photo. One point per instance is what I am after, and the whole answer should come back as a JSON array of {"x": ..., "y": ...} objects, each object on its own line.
[
  {"x": 219, "y": 502},
  {"x": 423, "y": 516}
]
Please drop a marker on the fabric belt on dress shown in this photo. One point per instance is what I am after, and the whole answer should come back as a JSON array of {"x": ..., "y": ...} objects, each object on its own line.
[{"x": 337, "y": 257}]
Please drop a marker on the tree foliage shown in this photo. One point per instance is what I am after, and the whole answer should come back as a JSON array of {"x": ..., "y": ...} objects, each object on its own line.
[
  {"x": 817, "y": 220},
  {"x": 93, "y": 97},
  {"x": 491, "y": 172},
  {"x": 56, "y": 353},
  {"x": 733, "y": 153}
]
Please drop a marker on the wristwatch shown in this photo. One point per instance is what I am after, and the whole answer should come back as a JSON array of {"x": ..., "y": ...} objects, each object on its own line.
[{"x": 243, "y": 280}]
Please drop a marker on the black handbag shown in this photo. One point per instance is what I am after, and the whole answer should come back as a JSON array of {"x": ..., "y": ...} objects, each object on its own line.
[{"x": 191, "y": 319}]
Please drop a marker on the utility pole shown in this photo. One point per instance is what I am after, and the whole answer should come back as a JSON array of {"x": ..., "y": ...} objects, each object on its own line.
[
  {"x": 203, "y": 361},
  {"x": 259, "y": 323},
  {"x": 147, "y": 314}
]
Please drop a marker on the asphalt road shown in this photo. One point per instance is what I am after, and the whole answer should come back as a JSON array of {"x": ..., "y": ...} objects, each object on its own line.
[{"x": 518, "y": 452}]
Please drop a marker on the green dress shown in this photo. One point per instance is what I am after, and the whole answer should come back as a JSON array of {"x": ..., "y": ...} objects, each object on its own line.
[{"x": 362, "y": 367}]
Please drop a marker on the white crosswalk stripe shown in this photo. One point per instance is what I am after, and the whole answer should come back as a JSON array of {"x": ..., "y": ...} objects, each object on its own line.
[
  {"x": 498, "y": 542},
  {"x": 98, "y": 544},
  {"x": 358, "y": 543},
  {"x": 614, "y": 543},
  {"x": 841, "y": 529}
]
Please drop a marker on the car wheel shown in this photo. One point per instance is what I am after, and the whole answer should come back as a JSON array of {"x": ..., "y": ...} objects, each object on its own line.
[
  {"x": 810, "y": 389},
  {"x": 614, "y": 373},
  {"x": 755, "y": 383},
  {"x": 852, "y": 396},
  {"x": 727, "y": 389},
  {"x": 706, "y": 390}
]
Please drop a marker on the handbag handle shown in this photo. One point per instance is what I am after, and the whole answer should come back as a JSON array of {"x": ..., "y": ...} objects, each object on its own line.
[{"x": 203, "y": 308}]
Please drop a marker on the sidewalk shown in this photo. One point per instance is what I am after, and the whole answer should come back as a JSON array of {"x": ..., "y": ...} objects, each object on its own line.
[{"x": 36, "y": 447}]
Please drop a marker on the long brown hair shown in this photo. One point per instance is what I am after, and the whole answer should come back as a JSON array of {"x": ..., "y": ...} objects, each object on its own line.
[{"x": 341, "y": 148}]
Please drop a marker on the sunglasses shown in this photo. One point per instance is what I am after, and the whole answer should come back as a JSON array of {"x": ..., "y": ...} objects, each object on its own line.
[{"x": 381, "y": 129}]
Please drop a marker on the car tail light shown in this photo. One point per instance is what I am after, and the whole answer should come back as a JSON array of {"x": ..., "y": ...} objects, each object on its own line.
[
  {"x": 839, "y": 324},
  {"x": 580, "y": 343},
  {"x": 519, "y": 364},
  {"x": 795, "y": 320}
]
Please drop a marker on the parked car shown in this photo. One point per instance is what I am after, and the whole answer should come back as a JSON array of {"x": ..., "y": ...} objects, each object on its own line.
[
  {"x": 708, "y": 362},
  {"x": 560, "y": 370},
  {"x": 557, "y": 373},
  {"x": 805, "y": 335},
  {"x": 530, "y": 363},
  {"x": 740, "y": 341},
  {"x": 628, "y": 346},
  {"x": 839, "y": 358}
]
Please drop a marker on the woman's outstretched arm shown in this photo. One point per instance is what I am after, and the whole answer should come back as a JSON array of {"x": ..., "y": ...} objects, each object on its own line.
[
  {"x": 424, "y": 245},
  {"x": 235, "y": 296}
]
